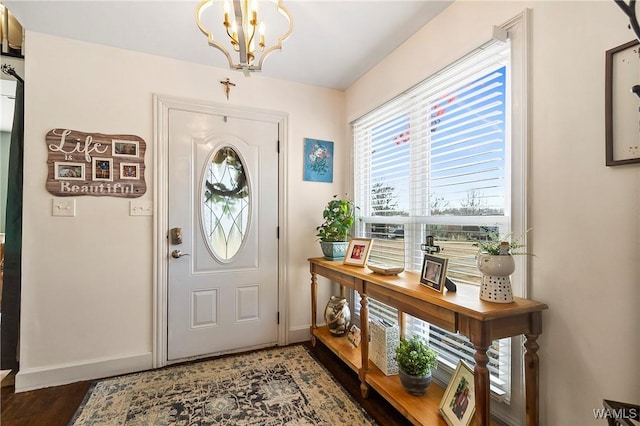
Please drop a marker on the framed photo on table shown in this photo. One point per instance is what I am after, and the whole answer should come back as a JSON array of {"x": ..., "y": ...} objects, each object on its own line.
[
  {"x": 459, "y": 401},
  {"x": 434, "y": 272},
  {"x": 358, "y": 252}
]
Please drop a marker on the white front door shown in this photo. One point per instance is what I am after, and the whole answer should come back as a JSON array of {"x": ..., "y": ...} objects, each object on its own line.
[{"x": 222, "y": 290}]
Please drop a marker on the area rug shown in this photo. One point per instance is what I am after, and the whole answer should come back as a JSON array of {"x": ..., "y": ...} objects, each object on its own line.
[{"x": 280, "y": 386}]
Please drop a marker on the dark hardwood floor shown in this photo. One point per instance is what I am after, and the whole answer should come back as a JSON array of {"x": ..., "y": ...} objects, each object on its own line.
[{"x": 55, "y": 406}]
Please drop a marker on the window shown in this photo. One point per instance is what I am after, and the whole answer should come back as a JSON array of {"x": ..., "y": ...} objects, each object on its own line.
[{"x": 444, "y": 159}]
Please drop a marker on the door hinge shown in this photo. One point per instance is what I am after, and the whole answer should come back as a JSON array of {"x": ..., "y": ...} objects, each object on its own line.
[
  {"x": 278, "y": 317},
  {"x": 278, "y": 146},
  {"x": 278, "y": 233}
]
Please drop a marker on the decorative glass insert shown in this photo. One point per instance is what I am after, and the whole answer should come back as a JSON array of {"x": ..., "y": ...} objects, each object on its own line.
[{"x": 225, "y": 203}]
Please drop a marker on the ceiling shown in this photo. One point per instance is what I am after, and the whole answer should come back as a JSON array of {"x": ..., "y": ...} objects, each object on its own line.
[{"x": 332, "y": 45}]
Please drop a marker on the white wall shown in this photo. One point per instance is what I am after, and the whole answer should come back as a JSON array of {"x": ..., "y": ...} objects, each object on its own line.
[
  {"x": 87, "y": 280},
  {"x": 585, "y": 216}
]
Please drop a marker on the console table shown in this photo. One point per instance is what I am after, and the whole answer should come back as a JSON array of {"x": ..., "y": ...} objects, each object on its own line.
[{"x": 463, "y": 311}]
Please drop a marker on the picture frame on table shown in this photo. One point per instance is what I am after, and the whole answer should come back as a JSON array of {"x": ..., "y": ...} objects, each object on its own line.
[
  {"x": 434, "y": 272},
  {"x": 358, "y": 252},
  {"x": 458, "y": 403},
  {"x": 622, "y": 98}
]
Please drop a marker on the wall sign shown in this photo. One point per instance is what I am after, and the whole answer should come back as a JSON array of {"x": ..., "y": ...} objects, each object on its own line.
[{"x": 95, "y": 164}]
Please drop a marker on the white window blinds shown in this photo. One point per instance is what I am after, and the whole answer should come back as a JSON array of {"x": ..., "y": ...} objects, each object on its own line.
[{"x": 435, "y": 161}]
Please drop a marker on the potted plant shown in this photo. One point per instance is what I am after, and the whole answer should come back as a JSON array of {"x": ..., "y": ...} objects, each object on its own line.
[
  {"x": 415, "y": 361},
  {"x": 333, "y": 233},
  {"x": 495, "y": 262}
]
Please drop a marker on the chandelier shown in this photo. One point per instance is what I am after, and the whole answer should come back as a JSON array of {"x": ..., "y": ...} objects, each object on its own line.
[{"x": 243, "y": 29}]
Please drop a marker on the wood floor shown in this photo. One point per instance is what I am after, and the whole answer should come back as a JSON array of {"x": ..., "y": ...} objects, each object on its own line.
[{"x": 55, "y": 406}]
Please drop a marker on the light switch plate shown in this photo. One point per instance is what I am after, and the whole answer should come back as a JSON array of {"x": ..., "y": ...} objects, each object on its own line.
[
  {"x": 63, "y": 207},
  {"x": 140, "y": 208}
]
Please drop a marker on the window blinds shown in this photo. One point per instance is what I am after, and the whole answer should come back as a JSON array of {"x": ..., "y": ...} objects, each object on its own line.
[{"x": 435, "y": 161}]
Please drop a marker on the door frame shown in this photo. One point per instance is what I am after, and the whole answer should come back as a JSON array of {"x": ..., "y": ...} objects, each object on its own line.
[{"x": 161, "y": 106}]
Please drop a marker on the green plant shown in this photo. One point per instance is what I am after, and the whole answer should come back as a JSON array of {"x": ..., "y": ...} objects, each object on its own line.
[
  {"x": 415, "y": 357},
  {"x": 339, "y": 216},
  {"x": 495, "y": 241}
]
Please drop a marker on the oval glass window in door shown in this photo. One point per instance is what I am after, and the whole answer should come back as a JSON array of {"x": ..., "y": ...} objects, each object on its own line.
[{"x": 226, "y": 202}]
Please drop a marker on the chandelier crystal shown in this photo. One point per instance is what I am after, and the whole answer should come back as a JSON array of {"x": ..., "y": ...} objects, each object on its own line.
[{"x": 245, "y": 29}]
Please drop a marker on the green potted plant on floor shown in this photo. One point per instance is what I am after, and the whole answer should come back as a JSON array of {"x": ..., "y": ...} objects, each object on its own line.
[
  {"x": 333, "y": 233},
  {"x": 415, "y": 361}
]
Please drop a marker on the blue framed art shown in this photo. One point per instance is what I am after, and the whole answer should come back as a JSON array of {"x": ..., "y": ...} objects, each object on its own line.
[{"x": 318, "y": 160}]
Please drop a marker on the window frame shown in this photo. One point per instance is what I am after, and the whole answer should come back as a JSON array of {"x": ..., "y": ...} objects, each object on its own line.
[{"x": 517, "y": 170}]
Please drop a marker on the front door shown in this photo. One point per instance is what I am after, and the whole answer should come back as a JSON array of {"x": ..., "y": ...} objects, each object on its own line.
[{"x": 222, "y": 285}]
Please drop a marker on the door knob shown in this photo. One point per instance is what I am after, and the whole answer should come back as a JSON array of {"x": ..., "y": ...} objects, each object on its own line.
[{"x": 177, "y": 254}]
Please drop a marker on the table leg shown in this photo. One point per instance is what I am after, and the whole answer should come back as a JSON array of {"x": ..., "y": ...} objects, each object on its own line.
[
  {"x": 531, "y": 376},
  {"x": 314, "y": 309},
  {"x": 364, "y": 344},
  {"x": 481, "y": 386}
]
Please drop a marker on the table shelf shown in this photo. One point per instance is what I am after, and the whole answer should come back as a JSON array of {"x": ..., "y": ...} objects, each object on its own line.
[
  {"x": 419, "y": 410},
  {"x": 462, "y": 312}
]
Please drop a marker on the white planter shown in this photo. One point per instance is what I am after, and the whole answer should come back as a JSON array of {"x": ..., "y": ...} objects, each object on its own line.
[{"x": 496, "y": 280}]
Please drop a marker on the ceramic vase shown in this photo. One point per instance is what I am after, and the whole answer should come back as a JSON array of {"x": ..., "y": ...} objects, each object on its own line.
[
  {"x": 334, "y": 250},
  {"x": 415, "y": 385},
  {"x": 496, "y": 277},
  {"x": 337, "y": 316}
]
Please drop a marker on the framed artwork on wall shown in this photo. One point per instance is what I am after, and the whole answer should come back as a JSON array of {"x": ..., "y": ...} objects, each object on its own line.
[
  {"x": 622, "y": 104},
  {"x": 318, "y": 160}
]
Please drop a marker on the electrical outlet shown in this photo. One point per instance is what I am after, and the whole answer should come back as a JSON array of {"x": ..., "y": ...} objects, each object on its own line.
[{"x": 63, "y": 207}]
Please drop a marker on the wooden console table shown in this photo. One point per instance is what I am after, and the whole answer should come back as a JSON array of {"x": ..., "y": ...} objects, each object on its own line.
[{"x": 463, "y": 311}]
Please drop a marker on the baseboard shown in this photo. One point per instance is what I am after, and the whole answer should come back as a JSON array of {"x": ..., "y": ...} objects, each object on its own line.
[
  {"x": 299, "y": 334},
  {"x": 37, "y": 378}
]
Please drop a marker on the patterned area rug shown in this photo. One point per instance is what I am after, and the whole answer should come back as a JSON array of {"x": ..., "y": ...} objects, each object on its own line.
[{"x": 281, "y": 386}]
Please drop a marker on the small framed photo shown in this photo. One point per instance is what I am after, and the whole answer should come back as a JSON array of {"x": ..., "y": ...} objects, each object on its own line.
[
  {"x": 102, "y": 169},
  {"x": 434, "y": 272},
  {"x": 459, "y": 401},
  {"x": 129, "y": 171},
  {"x": 68, "y": 171},
  {"x": 125, "y": 148},
  {"x": 358, "y": 252}
]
